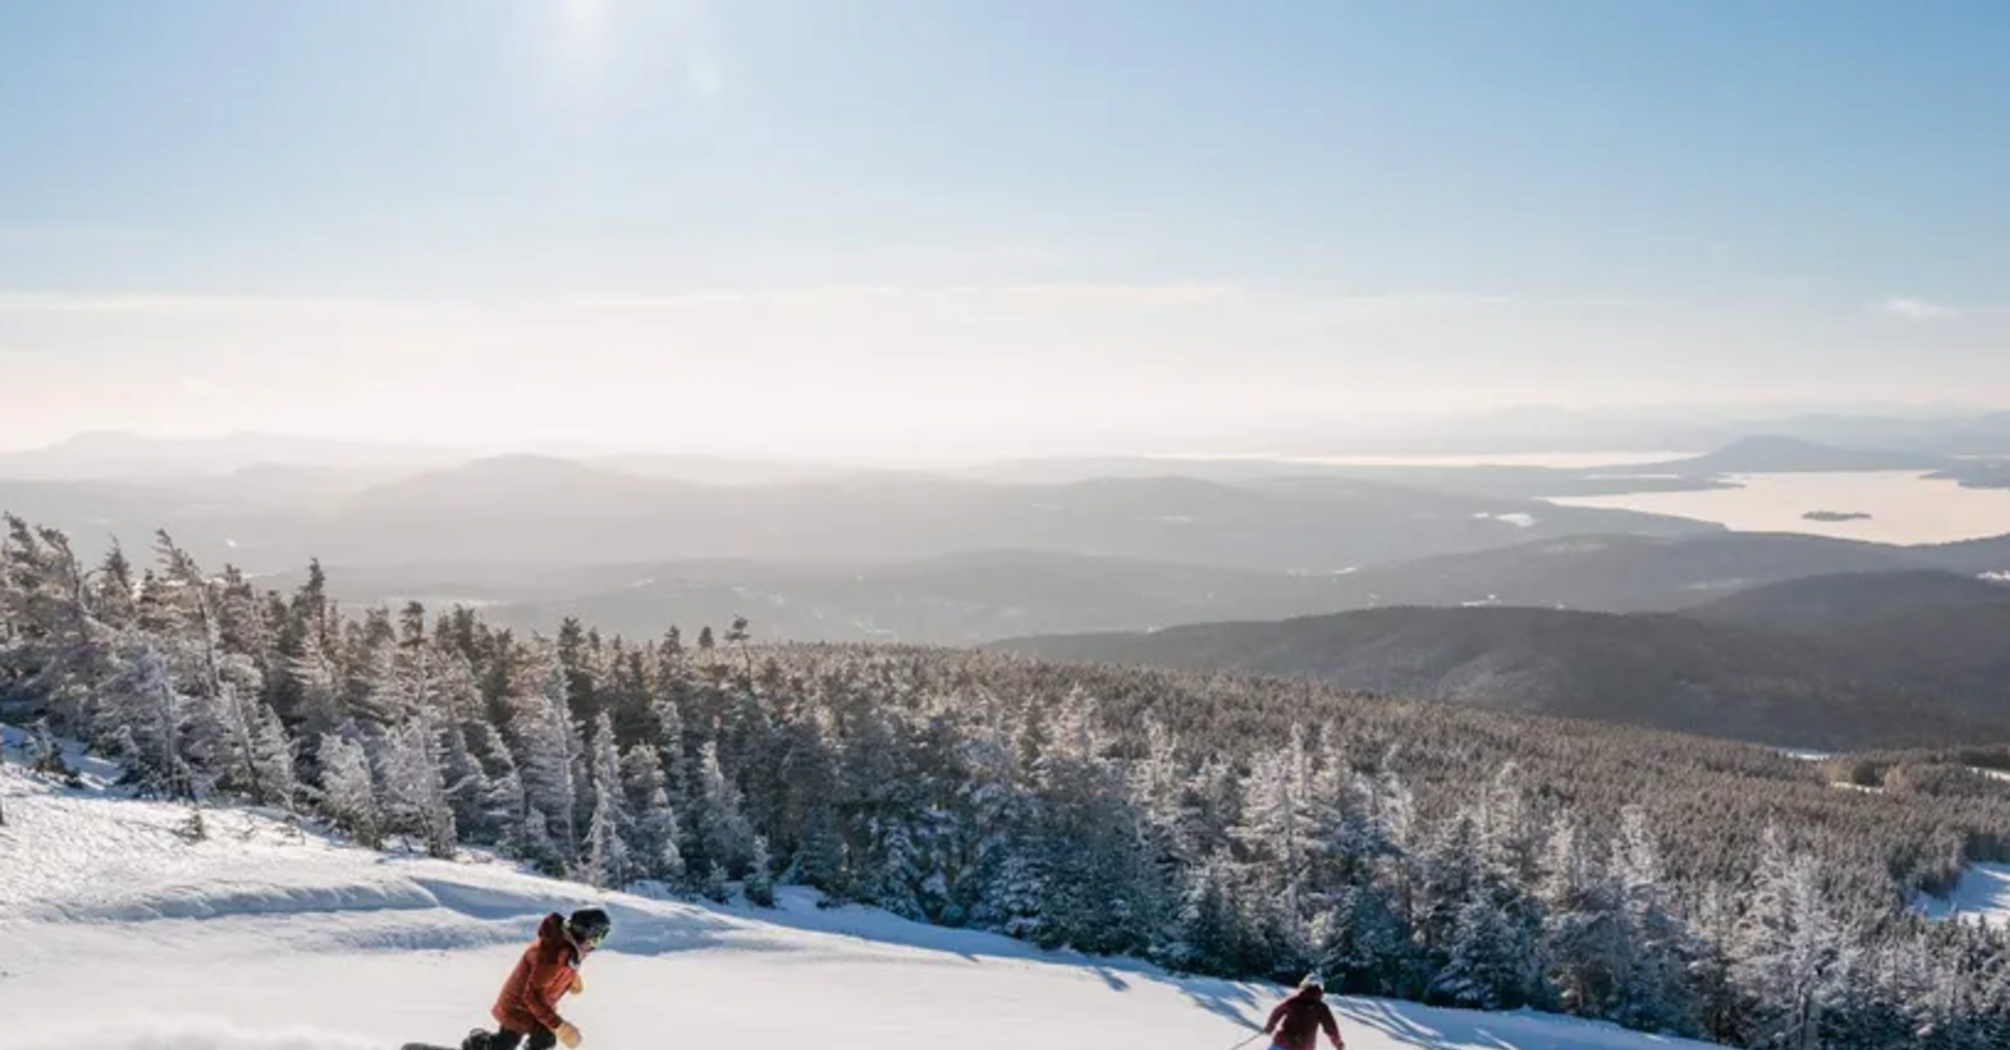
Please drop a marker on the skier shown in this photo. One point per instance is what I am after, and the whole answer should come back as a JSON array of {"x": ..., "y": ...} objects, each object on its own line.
[
  {"x": 1300, "y": 1018},
  {"x": 528, "y": 1005}
]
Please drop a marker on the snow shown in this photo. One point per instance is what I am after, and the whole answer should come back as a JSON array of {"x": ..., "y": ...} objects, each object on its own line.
[
  {"x": 1993, "y": 774},
  {"x": 1805, "y": 754},
  {"x": 1983, "y": 894},
  {"x": 117, "y": 933}
]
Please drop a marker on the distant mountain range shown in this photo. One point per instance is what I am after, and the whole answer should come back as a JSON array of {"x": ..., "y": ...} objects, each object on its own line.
[
  {"x": 1865, "y": 660},
  {"x": 120, "y": 456},
  {"x": 1780, "y": 454},
  {"x": 635, "y": 545},
  {"x": 1944, "y": 432},
  {"x": 1761, "y": 454},
  {"x": 530, "y": 509}
]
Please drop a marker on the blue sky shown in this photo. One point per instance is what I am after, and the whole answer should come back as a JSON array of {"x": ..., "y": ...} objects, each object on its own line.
[{"x": 1093, "y": 220}]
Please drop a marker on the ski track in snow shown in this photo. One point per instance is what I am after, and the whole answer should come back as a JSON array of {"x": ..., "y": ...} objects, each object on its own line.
[{"x": 118, "y": 934}]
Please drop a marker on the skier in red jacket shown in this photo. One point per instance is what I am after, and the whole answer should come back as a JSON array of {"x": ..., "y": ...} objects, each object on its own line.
[
  {"x": 528, "y": 1005},
  {"x": 1298, "y": 1020}
]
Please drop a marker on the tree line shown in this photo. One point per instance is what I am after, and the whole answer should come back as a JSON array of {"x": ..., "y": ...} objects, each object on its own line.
[{"x": 1218, "y": 825}]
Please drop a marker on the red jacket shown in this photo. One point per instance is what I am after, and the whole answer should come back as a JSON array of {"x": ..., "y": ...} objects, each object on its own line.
[
  {"x": 529, "y": 999},
  {"x": 1297, "y": 1021}
]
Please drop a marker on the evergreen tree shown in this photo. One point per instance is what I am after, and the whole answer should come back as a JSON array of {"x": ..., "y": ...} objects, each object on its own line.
[
  {"x": 272, "y": 753},
  {"x": 1653, "y": 993},
  {"x": 656, "y": 832},
  {"x": 608, "y": 862},
  {"x": 1789, "y": 954},
  {"x": 348, "y": 797},
  {"x": 724, "y": 836},
  {"x": 415, "y": 799},
  {"x": 760, "y": 881},
  {"x": 1584, "y": 933},
  {"x": 548, "y": 746}
]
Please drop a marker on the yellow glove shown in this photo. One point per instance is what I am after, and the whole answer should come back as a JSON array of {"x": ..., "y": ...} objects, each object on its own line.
[
  {"x": 578, "y": 983},
  {"x": 568, "y": 1034}
]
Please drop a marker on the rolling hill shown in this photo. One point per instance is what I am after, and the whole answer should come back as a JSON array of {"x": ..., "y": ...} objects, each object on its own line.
[
  {"x": 1816, "y": 602},
  {"x": 1760, "y": 670},
  {"x": 981, "y": 596}
]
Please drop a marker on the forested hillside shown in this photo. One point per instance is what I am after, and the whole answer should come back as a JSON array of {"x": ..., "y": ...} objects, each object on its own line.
[
  {"x": 1218, "y": 825},
  {"x": 1907, "y": 676}
]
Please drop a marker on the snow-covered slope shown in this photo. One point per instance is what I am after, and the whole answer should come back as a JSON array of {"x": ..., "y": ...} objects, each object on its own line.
[
  {"x": 116, "y": 933},
  {"x": 1982, "y": 895}
]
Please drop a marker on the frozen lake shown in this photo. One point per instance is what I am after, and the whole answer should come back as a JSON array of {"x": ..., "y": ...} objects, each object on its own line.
[{"x": 1904, "y": 506}]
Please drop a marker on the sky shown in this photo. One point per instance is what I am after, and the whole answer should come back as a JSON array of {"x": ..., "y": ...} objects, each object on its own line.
[{"x": 860, "y": 227}]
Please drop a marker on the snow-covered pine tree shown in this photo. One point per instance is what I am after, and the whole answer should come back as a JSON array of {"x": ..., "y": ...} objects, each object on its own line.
[
  {"x": 724, "y": 836},
  {"x": 347, "y": 795},
  {"x": 1478, "y": 924},
  {"x": 607, "y": 864},
  {"x": 315, "y": 681},
  {"x": 655, "y": 848},
  {"x": 1583, "y": 940},
  {"x": 1280, "y": 827},
  {"x": 1789, "y": 954},
  {"x": 113, "y": 589},
  {"x": 893, "y": 878},
  {"x": 548, "y": 743},
  {"x": 1654, "y": 993},
  {"x": 272, "y": 753},
  {"x": 1488, "y": 965},
  {"x": 143, "y": 710},
  {"x": 760, "y": 881},
  {"x": 610, "y": 827},
  {"x": 1448, "y": 869},
  {"x": 53, "y": 651},
  {"x": 222, "y": 686},
  {"x": 414, "y": 795},
  {"x": 715, "y": 885}
]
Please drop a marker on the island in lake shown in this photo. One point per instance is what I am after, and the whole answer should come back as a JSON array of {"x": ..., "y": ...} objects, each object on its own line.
[{"x": 1835, "y": 515}]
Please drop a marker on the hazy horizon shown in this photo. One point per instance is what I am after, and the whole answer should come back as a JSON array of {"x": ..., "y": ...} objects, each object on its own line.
[
  {"x": 1448, "y": 439},
  {"x": 846, "y": 230}
]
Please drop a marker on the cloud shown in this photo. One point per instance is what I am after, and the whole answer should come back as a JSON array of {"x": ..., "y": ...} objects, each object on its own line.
[
  {"x": 162, "y": 303},
  {"x": 72, "y": 236},
  {"x": 203, "y": 388},
  {"x": 1170, "y": 294},
  {"x": 1912, "y": 308},
  {"x": 703, "y": 74}
]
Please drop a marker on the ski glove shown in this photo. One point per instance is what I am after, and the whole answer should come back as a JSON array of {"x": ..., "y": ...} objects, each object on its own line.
[
  {"x": 568, "y": 1035},
  {"x": 578, "y": 984}
]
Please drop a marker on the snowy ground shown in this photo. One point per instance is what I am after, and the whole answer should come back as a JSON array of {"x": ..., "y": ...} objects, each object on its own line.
[
  {"x": 1982, "y": 894},
  {"x": 118, "y": 934}
]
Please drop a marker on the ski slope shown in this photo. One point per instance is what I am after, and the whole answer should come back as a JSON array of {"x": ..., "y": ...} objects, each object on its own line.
[
  {"x": 1982, "y": 895},
  {"x": 118, "y": 934}
]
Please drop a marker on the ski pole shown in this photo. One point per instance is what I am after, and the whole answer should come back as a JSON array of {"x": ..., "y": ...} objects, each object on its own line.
[{"x": 1246, "y": 1042}]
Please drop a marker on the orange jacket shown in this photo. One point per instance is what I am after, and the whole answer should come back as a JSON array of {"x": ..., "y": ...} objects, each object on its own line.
[{"x": 529, "y": 999}]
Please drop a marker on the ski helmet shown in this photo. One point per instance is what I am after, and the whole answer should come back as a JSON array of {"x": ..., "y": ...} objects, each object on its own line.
[
  {"x": 589, "y": 927},
  {"x": 1313, "y": 981}
]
